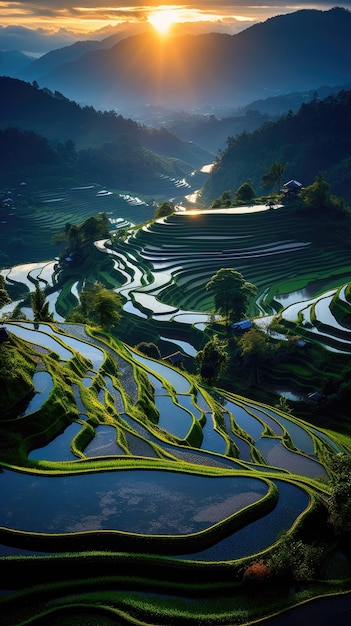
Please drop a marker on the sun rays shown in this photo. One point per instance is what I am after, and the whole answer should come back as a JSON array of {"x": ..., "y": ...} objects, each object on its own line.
[{"x": 163, "y": 18}]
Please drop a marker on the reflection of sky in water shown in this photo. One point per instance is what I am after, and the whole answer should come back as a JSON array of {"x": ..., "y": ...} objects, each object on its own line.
[
  {"x": 58, "y": 449},
  {"x": 104, "y": 443},
  {"x": 212, "y": 440},
  {"x": 244, "y": 420},
  {"x": 136, "y": 501},
  {"x": 300, "y": 437},
  {"x": 259, "y": 534},
  {"x": 40, "y": 338},
  {"x": 243, "y": 446},
  {"x": 43, "y": 385},
  {"x": 91, "y": 352},
  {"x": 277, "y": 455},
  {"x": 187, "y": 402},
  {"x": 173, "y": 418},
  {"x": 181, "y": 383},
  {"x": 186, "y": 347}
]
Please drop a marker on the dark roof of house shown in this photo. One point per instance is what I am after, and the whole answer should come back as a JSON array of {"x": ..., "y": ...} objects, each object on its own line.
[
  {"x": 301, "y": 343},
  {"x": 292, "y": 184},
  {"x": 244, "y": 325},
  {"x": 315, "y": 395},
  {"x": 175, "y": 357}
]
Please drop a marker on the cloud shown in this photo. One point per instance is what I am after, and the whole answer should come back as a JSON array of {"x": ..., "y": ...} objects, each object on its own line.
[
  {"x": 34, "y": 41},
  {"x": 60, "y": 22}
]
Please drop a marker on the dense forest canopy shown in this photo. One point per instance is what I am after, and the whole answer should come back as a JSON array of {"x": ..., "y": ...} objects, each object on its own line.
[{"x": 315, "y": 139}]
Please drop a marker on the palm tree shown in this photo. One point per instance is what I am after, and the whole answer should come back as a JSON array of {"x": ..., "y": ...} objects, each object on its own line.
[
  {"x": 274, "y": 176},
  {"x": 39, "y": 305}
]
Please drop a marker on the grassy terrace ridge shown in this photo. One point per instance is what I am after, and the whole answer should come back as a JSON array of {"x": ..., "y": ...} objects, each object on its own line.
[
  {"x": 163, "y": 495},
  {"x": 122, "y": 394},
  {"x": 277, "y": 247}
]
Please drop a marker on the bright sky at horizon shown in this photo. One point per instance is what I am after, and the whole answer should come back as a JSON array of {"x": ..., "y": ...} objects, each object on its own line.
[{"x": 39, "y": 26}]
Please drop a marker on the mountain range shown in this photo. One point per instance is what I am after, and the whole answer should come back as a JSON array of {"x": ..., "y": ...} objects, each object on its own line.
[{"x": 286, "y": 53}]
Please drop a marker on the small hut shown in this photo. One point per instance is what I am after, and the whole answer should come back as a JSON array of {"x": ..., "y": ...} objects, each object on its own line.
[
  {"x": 176, "y": 358},
  {"x": 239, "y": 328},
  {"x": 292, "y": 188}
]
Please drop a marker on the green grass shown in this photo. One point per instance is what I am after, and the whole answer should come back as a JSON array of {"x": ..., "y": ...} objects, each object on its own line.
[{"x": 145, "y": 589}]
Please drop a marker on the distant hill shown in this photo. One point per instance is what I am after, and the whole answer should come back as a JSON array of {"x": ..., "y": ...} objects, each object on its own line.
[
  {"x": 278, "y": 105},
  {"x": 12, "y": 62},
  {"x": 211, "y": 131},
  {"x": 45, "y": 134},
  {"x": 59, "y": 119},
  {"x": 293, "y": 52},
  {"x": 52, "y": 60},
  {"x": 315, "y": 139}
]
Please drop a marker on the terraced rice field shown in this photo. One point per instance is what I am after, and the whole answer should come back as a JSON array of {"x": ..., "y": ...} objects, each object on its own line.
[
  {"x": 243, "y": 449},
  {"x": 165, "y": 266},
  {"x": 138, "y": 467},
  {"x": 172, "y": 259}
]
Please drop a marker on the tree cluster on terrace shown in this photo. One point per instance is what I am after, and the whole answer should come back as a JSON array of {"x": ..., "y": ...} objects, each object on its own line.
[
  {"x": 163, "y": 210},
  {"x": 339, "y": 503},
  {"x": 98, "y": 305},
  {"x": 231, "y": 294},
  {"x": 79, "y": 239},
  {"x": 40, "y": 306},
  {"x": 4, "y": 296},
  {"x": 317, "y": 196},
  {"x": 243, "y": 195}
]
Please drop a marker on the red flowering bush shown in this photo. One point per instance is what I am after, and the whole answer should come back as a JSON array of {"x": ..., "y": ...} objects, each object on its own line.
[{"x": 257, "y": 572}]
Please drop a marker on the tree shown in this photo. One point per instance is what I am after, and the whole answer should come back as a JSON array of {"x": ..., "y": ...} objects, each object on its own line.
[
  {"x": 317, "y": 195},
  {"x": 294, "y": 560},
  {"x": 164, "y": 209},
  {"x": 255, "y": 349},
  {"x": 80, "y": 238},
  {"x": 231, "y": 293},
  {"x": 211, "y": 360},
  {"x": 273, "y": 178},
  {"x": 40, "y": 306},
  {"x": 339, "y": 503},
  {"x": 283, "y": 405},
  {"x": 100, "y": 305},
  {"x": 245, "y": 193},
  {"x": 224, "y": 200},
  {"x": 4, "y": 296}
]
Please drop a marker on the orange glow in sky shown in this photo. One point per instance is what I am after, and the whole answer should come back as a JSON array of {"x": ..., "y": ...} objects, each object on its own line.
[
  {"x": 88, "y": 15},
  {"x": 53, "y": 24},
  {"x": 163, "y": 17}
]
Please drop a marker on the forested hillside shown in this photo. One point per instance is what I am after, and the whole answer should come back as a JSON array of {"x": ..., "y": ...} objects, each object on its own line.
[
  {"x": 41, "y": 128},
  {"x": 315, "y": 139}
]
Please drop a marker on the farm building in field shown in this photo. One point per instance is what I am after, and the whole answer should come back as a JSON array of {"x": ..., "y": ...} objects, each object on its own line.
[
  {"x": 239, "y": 328},
  {"x": 176, "y": 358},
  {"x": 292, "y": 188}
]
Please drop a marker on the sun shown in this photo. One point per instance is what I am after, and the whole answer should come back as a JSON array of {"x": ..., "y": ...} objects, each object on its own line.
[{"x": 163, "y": 19}]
